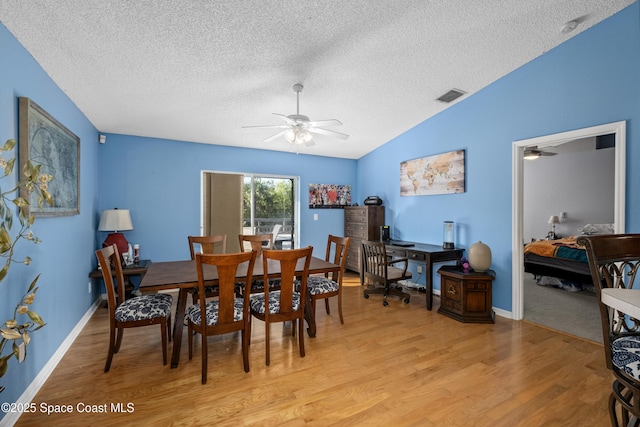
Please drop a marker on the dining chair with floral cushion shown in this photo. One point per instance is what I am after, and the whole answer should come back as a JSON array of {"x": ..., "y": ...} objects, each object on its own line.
[
  {"x": 213, "y": 244},
  {"x": 144, "y": 310},
  {"x": 227, "y": 312},
  {"x": 288, "y": 302},
  {"x": 330, "y": 284},
  {"x": 258, "y": 243}
]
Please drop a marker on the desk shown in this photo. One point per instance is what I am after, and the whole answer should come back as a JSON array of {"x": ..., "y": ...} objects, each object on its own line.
[
  {"x": 624, "y": 300},
  {"x": 429, "y": 254},
  {"x": 182, "y": 275}
]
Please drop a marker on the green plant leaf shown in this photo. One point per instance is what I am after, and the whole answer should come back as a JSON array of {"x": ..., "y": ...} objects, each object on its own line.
[
  {"x": 9, "y": 145},
  {"x": 3, "y": 365},
  {"x": 20, "y": 202},
  {"x": 4, "y": 271},
  {"x": 10, "y": 334},
  {"x": 9, "y": 168},
  {"x": 5, "y": 240},
  {"x": 33, "y": 284},
  {"x": 35, "y": 317}
]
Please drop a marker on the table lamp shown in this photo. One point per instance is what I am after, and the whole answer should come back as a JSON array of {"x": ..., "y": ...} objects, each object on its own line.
[
  {"x": 553, "y": 220},
  {"x": 116, "y": 220}
]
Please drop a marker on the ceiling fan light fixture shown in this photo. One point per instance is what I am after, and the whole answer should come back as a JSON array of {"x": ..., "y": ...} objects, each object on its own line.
[
  {"x": 297, "y": 136},
  {"x": 531, "y": 154}
]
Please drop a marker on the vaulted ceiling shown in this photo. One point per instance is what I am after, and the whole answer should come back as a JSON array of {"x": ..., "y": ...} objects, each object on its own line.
[{"x": 200, "y": 70}]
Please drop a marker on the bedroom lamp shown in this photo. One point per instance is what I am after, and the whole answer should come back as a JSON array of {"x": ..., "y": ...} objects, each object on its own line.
[
  {"x": 116, "y": 220},
  {"x": 553, "y": 220}
]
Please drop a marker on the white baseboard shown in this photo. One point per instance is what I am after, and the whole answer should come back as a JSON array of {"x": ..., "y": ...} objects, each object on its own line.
[{"x": 30, "y": 392}]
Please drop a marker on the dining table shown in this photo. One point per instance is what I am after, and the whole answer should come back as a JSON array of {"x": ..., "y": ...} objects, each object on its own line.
[
  {"x": 622, "y": 299},
  {"x": 183, "y": 276}
]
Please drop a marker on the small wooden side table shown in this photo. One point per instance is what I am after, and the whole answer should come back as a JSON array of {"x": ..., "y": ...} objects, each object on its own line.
[
  {"x": 466, "y": 296},
  {"x": 131, "y": 270}
]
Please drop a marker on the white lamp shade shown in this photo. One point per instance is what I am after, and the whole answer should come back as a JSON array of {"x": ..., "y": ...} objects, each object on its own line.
[
  {"x": 553, "y": 219},
  {"x": 115, "y": 220}
]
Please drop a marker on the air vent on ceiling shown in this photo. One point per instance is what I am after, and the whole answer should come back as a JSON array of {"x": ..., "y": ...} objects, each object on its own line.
[{"x": 452, "y": 95}]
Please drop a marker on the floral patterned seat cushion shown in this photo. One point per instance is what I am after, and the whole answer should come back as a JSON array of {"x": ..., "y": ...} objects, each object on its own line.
[
  {"x": 317, "y": 285},
  {"x": 626, "y": 355},
  {"x": 257, "y": 302},
  {"x": 195, "y": 315},
  {"x": 144, "y": 307}
]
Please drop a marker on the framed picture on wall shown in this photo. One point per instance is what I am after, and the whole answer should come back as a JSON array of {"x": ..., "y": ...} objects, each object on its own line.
[
  {"x": 438, "y": 174},
  {"x": 326, "y": 196},
  {"x": 48, "y": 143}
]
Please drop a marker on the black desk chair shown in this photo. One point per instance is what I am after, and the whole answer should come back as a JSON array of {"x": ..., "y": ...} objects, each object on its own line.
[
  {"x": 614, "y": 260},
  {"x": 377, "y": 269}
]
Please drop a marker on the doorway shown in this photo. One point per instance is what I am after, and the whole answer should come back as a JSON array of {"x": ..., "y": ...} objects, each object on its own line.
[
  {"x": 518, "y": 149},
  {"x": 235, "y": 203}
]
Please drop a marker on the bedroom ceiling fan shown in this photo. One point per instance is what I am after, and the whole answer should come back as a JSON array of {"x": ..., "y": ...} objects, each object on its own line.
[
  {"x": 532, "y": 153},
  {"x": 297, "y": 128}
]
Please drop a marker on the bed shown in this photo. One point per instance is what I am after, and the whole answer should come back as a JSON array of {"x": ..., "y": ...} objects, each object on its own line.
[{"x": 559, "y": 263}]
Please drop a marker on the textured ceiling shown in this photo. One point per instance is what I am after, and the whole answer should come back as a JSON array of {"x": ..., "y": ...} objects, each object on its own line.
[{"x": 199, "y": 70}]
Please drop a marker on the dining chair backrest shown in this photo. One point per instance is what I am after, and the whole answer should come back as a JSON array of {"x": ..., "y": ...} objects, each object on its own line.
[
  {"x": 227, "y": 266},
  {"x": 338, "y": 247},
  {"x": 214, "y": 244},
  {"x": 288, "y": 261},
  {"x": 614, "y": 261},
  {"x": 109, "y": 260},
  {"x": 257, "y": 242}
]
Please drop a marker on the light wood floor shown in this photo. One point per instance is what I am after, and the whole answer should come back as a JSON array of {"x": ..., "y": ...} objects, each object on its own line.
[{"x": 399, "y": 365}]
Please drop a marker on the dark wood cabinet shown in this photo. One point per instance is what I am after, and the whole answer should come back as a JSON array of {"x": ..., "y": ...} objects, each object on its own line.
[
  {"x": 361, "y": 223},
  {"x": 466, "y": 296}
]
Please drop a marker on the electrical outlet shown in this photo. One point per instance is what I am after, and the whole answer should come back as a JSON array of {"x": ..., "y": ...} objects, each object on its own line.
[
  {"x": 21, "y": 352},
  {"x": 315, "y": 217},
  {"x": 419, "y": 269},
  {"x": 89, "y": 286}
]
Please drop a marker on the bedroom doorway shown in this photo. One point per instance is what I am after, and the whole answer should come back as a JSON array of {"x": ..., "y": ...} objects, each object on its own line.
[{"x": 555, "y": 140}]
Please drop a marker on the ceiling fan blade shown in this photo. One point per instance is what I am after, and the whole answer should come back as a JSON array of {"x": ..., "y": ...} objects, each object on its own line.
[
  {"x": 272, "y": 137},
  {"x": 330, "y": 122},
  {"x": 328, "y": 132},
  {"x": 286, "y": 119},
  {"x": 267, "y": 127}
]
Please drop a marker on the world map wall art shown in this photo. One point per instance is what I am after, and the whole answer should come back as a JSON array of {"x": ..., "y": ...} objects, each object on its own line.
[{"x": 438, "y": 174}]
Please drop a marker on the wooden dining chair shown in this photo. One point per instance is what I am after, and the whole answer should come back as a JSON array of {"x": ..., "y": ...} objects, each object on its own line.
[
  {"x": 378, "y": 269},
  {"x": 325, "y": 287},
  {"x": 255, "y": 242},
  {"x": 258, "y": 243},
  {"x": 614, "y": 261},
  {"x": 138, "y": 311},
  {"x": 225, "y": 314},
  {"x": 213, "y": 244},
  {"x": 287, "y": 303}
]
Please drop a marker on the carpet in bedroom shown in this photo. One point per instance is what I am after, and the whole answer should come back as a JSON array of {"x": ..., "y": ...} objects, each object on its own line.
[{"x": 574, "y": 313}]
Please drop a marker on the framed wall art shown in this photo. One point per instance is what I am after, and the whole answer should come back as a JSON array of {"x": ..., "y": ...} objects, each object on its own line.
[
  {"x": 438, "y": 174},
  {"x": 48, "y": 143},
  {"x": 326, "y": 196}
]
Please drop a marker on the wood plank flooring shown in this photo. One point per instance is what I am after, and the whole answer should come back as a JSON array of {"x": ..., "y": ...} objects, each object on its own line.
[{"x": 399, "y": 365}]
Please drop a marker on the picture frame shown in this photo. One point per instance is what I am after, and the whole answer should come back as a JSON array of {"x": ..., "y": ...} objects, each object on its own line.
[
  {"x": 438, "y": 174},
  {"x": 328, "y": 196},
  {"x": 46, "y": 142}
]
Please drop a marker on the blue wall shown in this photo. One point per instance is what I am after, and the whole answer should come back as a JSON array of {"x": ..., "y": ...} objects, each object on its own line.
[
  {"x": 159, "y": 181},
  {"x": 589, "y": 80},
  {"x": 65, "y": 256}
]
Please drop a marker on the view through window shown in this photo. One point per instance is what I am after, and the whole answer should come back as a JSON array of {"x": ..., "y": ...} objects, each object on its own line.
[{"x": 269, "y": 207}]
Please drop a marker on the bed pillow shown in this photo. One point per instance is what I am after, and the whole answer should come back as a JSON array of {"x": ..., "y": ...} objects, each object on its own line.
[{"x": 597, "y": 229}]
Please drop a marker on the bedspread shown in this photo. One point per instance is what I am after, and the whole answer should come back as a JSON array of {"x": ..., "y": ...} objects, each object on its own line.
[{"x": 566, "y": 248}]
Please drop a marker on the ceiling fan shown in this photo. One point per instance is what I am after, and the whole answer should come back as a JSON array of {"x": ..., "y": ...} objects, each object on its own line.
[
  {"x": 532, "y": 153},
  {"x": 298, "y": 128}
]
